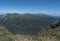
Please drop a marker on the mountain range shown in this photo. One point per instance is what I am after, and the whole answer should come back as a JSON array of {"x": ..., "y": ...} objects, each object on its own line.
[
  {"x": 28, "y": 27},
  {"x": 26, "y": 23}
]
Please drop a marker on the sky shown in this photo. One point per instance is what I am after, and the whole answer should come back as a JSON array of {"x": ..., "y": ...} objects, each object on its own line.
[{"x": 50, "y": 7}]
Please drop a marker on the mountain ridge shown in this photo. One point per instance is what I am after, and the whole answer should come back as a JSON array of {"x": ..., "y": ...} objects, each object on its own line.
[
  {"x": 26, "y": 23},
  {"x": 28, "y": 27}
]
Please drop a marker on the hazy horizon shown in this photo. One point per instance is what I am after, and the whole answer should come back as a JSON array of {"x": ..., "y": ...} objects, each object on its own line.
[{"x": 49, "y": 7}]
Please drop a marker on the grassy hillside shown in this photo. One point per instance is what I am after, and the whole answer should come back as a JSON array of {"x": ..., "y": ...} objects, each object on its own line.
[{"x": 5, "y": 35}]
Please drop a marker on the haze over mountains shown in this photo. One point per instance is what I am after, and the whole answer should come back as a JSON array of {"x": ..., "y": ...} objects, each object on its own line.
[
  {"x": 29, "y": 20},
  {"x": 35, "y": 13}
]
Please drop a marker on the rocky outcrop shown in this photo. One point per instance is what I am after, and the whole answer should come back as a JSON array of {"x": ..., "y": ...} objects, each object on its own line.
[{"x": 55, "y": 24}]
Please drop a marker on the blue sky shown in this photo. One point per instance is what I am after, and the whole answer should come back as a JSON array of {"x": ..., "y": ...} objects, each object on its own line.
[{"x": 50, "y": 7}]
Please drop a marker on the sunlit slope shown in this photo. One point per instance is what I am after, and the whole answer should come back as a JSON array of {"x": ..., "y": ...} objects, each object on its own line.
[{"x": 5, "y": 35}]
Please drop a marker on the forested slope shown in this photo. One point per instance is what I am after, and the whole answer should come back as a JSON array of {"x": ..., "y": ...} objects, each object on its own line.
[{"x": 25, "y": 23}]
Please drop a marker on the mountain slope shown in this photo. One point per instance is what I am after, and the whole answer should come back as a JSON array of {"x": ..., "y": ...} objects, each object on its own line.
[
  {"x": 5, "y": 35},
  {"x": 25, "y": 23}
]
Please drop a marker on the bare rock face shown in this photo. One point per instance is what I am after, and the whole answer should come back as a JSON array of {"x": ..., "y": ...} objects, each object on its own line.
[{"x": 55, "y": 24}]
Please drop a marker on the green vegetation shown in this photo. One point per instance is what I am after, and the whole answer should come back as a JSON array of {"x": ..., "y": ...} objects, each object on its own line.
[
  {"x": 25, "y": 23},
  {"x": 5, "y": 34},
  {"x": 31, "y": 26}
]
